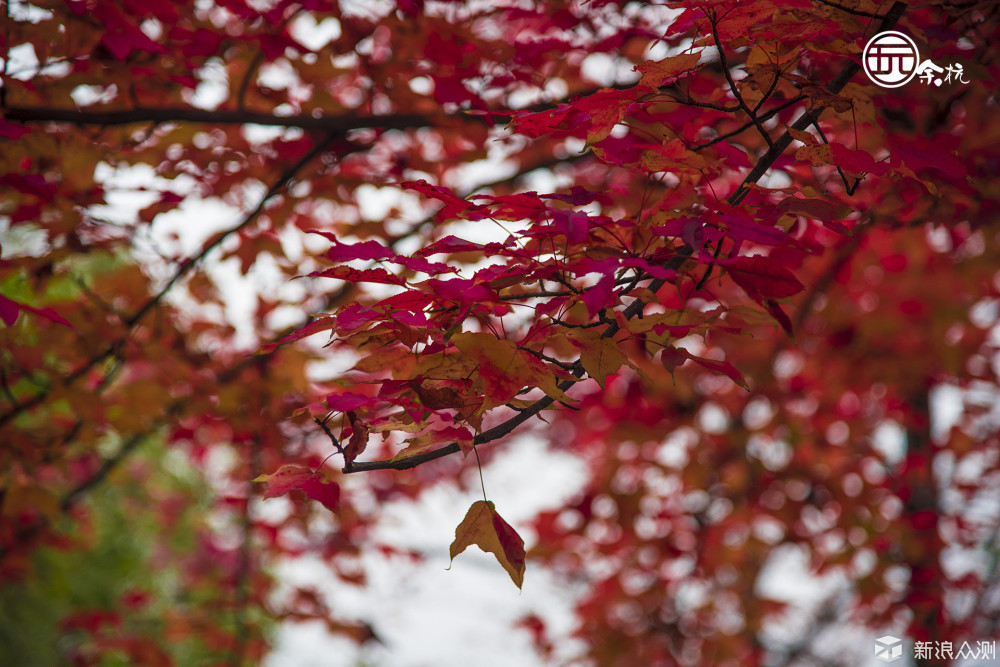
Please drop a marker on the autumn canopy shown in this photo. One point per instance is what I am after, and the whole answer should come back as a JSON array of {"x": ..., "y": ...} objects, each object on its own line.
[{"x": 269, "y": 266}]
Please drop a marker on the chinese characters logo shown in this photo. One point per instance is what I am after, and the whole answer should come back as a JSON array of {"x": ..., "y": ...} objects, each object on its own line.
[{"x": 891, "y": 59}]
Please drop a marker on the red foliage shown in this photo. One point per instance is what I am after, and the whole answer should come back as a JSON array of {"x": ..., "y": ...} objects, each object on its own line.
[{"x": 822, "y": 291}]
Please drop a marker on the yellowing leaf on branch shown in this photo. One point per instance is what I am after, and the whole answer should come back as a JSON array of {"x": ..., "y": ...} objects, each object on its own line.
[
  {"x": 504, "y": 369},
  {"x": 654, "y": 74},
  {"x": 434, "y": 439},
  {"x": 600, "y": 356},
  {"x": 802, "y": 136},
  {"x": 486, "y": 529},
  {"x": 445, "y": 366},
  {"x": 673, "y": 155}
]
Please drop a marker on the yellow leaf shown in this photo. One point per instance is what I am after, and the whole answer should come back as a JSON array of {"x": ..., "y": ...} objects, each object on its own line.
[
  {"x": 673, "y": 155},
  {"x": 432, "y": 439},
  {"x": 486, "y": 529},
  {"x": 803, "y": 136},
  {"x": 504, "y": 369},
  {"x": 445, "y": 367},
  {"x": 389, "y": 358},
  {"x": 399, "y": 421},
  {"x": 600, "y": 356},
  {"x": 655, "y": 73}
]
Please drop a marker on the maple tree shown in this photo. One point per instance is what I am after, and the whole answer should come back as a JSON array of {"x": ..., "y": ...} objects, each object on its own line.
[{"x": 688, "y": 242}]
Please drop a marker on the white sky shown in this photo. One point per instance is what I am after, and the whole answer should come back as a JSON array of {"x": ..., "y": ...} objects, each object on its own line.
[{"x": 429, "y": 615}]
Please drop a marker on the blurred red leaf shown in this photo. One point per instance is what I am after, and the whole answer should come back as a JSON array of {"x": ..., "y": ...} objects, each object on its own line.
[
  {"x": 761, "y": 276},
  {"x": 315, "y": 485}
]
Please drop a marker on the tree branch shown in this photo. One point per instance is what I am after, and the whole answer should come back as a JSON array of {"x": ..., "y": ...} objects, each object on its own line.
[
  {"x": 337, "y": 124},
  {"x": 751, "y": 113},
  {"x": 142, "y": 115},
  {"x": 856, "y": 12},
  {"x": 133, "y": 441},
  {"x": 763, "y": 117}
]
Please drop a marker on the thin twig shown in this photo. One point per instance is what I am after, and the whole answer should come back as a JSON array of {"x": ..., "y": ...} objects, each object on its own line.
[
  {"x": 851, "y": 189},
  {"x": 751, "y": 113},
  {"x": 763, "y": 117},
  {"x": 856, "y": 12}
]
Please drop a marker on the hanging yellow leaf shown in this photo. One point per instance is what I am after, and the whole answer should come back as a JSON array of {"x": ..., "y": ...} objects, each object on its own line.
[{"x": 486, "y": 529}]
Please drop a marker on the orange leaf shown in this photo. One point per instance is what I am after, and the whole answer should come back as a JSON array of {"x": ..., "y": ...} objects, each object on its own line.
[
  {"x": 431, "y": 439},
  {"x": 673, "y": 155},
  {"x": 802, "y": 136},
  {"x": 486, "y": 529},
  {"x": 600, "y": 356},
  {"x": 504, "y": 369},
  {"x": 654, "y": 74}
]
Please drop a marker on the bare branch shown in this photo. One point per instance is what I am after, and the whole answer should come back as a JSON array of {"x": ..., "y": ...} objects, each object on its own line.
[
  {"x": 763, "y": 117},
  {"x": 856, "y": 12},
  {"x": 142, "y": 115}
]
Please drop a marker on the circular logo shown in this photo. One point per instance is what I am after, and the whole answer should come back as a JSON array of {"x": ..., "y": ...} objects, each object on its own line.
[{"x": 890, "y": 59}]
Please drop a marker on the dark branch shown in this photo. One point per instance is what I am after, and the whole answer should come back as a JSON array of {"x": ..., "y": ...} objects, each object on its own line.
[
  {"x": 105, "y": 469},
  {"x": 856, "y": 12},
  {"x": 336, "y": 124},
  {"x": 143, "y": 115},
  {"x": 850, "y": 189},
  {"x": 751, "y": 113},
  {"x": 763, "y": 117}
]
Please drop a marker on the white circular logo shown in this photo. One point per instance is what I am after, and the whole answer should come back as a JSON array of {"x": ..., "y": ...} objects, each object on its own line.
[{"x": 890, "y": 59}]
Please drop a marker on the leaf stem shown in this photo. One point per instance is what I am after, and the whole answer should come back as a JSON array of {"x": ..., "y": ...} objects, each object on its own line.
[{"x": 479, "y": 464}]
